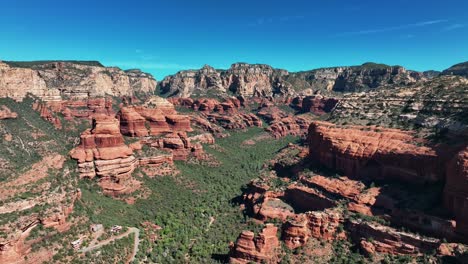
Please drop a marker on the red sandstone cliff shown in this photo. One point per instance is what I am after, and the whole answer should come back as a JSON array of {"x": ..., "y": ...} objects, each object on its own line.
[
  {"x": 260, "y": 249},
  {"x": 375, "y": 153}
]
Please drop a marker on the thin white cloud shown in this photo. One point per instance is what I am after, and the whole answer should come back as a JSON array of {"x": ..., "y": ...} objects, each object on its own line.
[
  {"x": 454, "y": 26},
  {"x": 394, "y": 28}
]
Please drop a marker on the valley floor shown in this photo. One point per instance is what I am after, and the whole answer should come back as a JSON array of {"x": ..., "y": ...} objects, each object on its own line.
[{"x": 197, "y": 208}]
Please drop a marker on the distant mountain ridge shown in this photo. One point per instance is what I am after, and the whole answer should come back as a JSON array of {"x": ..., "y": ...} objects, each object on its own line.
[
  {"x": 243, "y": 79},
  {"x": 57, "y": 80}
]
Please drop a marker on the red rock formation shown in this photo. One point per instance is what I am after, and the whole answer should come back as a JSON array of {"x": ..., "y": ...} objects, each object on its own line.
[
  {"x": 142, "y": 121},
  {"x": 308, "y": 199},
  {"x": 177, "y": 143},
  {"x": 204, "y": 124},
  {"x": 292, "y": 125},
  {"x": 318, "y": 224},
  {"x": 71, "y": 109},
  {"x": 316, "y": 104},
  {"x": 235, "y": 121},
  {"x": 58, "y": 220},
  {"x": 384, "y": 239},
  {"x": 456, "y": 191},
  {"x": 259, "y": 249},
  {"x": 375, "y": 153},
  {"x": 103, "y": 153},
  {"x": 6, "y": 113}
]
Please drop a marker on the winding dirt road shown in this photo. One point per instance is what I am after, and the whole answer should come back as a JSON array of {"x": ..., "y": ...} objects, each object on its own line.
[{"x": 130, "y": 230}]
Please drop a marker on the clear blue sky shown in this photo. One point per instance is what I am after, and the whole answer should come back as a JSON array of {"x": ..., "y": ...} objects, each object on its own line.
[{"x": 163, "y": 37}]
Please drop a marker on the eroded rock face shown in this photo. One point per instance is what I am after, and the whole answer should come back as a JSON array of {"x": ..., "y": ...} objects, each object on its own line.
[
  {"x": 178, "y": 143},
  {"x": 263, "y": 80},
  {"x": 456, "y": 191},
  {"x": 103, "y": 153},
  {"x": 157, "y": 117},
  {"x": 375, "y": 153},
  {"x": 316, "y": 104},
  {"x": 319, "y": 224},
  {"x": 6, "y": 113},
  {"x": 52, "y": 81},
  {"x": 384, "y": 239},
  {"x": 241, "y": 79},
  {"x": 259, "y": 249}
]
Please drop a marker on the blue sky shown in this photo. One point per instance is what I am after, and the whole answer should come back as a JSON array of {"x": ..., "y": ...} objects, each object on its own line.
[{"x": 163, "y": 37}]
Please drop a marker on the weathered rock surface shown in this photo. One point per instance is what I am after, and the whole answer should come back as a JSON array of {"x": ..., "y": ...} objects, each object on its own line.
[
  {"x": 6, "y": 113},
  {"x": 52, "y": 81},
  {"x": 375, "y": 153},
  {"x": 318, "y": 224},
  {"x": 103, "y": 153},
  {"x": 456, "y": 191},
  {"x": 374, "y": 237},
  {"x": 259, "y": 249},
  {"x": 263, "y": 80},
  {"x": 316, "y": 104},
  {"x": 73, "y": 109},
  {"x": 227, "y": 114},
  {"x": 157, "y": 117}
]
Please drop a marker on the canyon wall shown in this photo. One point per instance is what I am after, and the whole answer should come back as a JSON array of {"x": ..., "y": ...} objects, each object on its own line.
[
  {"x": 263, "y": 80},
  {"x": 54, "y": 81}
]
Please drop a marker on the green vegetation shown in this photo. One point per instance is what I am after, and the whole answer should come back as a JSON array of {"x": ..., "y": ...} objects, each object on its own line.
[
  {"x": 184, "y": 204},
  {"x": 31, "y": 138}
]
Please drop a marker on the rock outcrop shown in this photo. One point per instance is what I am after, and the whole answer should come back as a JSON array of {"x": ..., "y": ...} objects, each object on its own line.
[
  {"x": 103, "y": 153},
  {"x": 376, "y": 238},
  {"x": 262, "y": 80},
  {"x": 6, "y": 113},
  {"x": 227, "y": 114},
  {"x": 316, "y": 104},
  {"x": 325, "y": 225},
  {"x": 456, "y": 191},
  {"x": 156, "y": 118},
  {"x": 259, "y": 249},
  {"x": 375, "y": 153},
  {"x": 52, "y": 81}
]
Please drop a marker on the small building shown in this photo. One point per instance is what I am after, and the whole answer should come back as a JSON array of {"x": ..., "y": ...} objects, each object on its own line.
[
  {"x": 96, "y": 227},
  {"x": 77, "y": 243},
  {"x": 116, "y": 229}
]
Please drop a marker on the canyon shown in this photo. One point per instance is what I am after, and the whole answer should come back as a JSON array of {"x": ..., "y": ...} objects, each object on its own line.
[{"x": 371, "y": 160}]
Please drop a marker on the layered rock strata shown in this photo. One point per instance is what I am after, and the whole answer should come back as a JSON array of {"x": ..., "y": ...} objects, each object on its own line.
[
  {"x": 103, "y": 153},
  {"x": 375, "y": 153},
  {"x": 259, "y": 249},
  {"x": 52, "y": 81},
  {"x": 262, "y": 80}
]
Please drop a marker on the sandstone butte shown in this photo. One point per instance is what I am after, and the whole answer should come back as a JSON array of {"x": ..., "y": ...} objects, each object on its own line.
[
  {"x": 79, "y": 81},
  {"x": 6, "y": 113},
  {"x": 103, "y": 153},
  {"x": 259, "y": 249}
]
